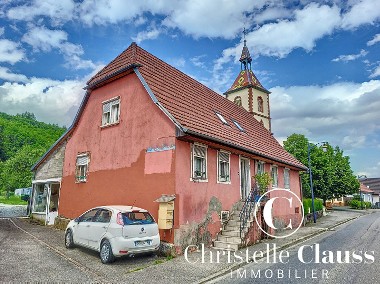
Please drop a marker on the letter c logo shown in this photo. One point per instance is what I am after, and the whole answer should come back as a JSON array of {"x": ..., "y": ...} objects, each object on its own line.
[{"x": 267, "y": 211}]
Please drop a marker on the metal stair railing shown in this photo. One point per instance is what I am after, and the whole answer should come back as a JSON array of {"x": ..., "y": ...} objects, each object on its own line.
[{"x": 245, "y": 213}]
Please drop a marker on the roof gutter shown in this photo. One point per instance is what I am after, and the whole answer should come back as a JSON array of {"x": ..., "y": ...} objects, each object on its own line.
[
  {"x": 156, "y": 101},
  {"x": 194, "y": 133},
  {"x": 114, "y": 74}
]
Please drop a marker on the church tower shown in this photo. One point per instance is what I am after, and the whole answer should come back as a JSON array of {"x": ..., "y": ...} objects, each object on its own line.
[{"x": 248, "y": 92}]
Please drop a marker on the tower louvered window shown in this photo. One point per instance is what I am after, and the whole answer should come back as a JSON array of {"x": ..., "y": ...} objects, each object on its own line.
[{"x": 260, "y": 104}]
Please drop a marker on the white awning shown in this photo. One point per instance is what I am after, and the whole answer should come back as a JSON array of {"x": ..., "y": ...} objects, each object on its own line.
[{"x": 50, "y": 180}]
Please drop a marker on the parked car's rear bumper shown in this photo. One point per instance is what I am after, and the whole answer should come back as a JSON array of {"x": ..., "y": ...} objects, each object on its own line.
[{"x": 125, "y": 246}]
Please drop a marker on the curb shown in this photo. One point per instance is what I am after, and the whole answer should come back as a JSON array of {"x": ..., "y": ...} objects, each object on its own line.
[{"x": 287, "y": 245}]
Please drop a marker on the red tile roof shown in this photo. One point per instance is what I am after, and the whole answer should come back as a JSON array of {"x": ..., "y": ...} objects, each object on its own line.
[
  {"x": 364, "y": 188},
  {"x": 193, "y": 105},
  {"x": 246, "y": 78}
]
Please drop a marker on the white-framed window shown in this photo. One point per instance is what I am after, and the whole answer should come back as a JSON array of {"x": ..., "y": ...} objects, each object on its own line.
[
  {"x": 40, "y": 197},
  {"x": 274, "y": 172},
  {"x": 286, "y": 178},
  {"x": 111, "y": 112},
  {"x": 260, "y": 167},
  {"x": 199, "y": 162},
  {"x": 223, "y": 166},
  {"x": 82, "y": 167}
]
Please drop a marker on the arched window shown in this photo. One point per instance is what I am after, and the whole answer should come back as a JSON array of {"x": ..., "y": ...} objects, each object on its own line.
[
  {"x": 260, "y": 104},
  {"x": 237, "y": 100}
]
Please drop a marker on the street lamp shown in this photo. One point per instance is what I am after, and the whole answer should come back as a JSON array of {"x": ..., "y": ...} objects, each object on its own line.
[
  {"x": 324, "y": 149},
  {"x": 360, "y": 191}
]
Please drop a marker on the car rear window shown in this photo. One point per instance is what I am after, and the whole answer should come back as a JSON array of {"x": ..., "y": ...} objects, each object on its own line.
[{"x": 135, "y": 218}]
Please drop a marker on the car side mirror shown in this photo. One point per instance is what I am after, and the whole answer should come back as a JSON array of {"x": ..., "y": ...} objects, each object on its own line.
[{"x": 77, "y": 220}]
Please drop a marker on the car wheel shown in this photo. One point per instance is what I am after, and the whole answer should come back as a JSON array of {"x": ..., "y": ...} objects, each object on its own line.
[
  {"x": 69, "y": 243},
  {"x": 106, "y": 255}
]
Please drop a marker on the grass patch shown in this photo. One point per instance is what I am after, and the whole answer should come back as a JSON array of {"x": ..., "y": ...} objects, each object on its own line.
[
  {"x": 169, "y": 257},
  {"x": 159, "y": 261},
  {"x": 12, "y": 200}
]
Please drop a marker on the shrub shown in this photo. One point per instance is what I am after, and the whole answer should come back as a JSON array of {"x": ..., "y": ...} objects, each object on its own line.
[
  {"x": 357, "y": 204},
  {"x": 356, "y": 197},
  {"x": 307, "y": 203}
]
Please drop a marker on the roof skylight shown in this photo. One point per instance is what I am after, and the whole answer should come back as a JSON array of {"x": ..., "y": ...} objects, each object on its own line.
[
  {"x": 222, "y": 119},
  {"x": 238, "y": 125}
]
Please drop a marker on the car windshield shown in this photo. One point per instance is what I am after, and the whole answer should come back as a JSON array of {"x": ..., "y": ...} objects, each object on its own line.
[{"x": 132, "y": 218}]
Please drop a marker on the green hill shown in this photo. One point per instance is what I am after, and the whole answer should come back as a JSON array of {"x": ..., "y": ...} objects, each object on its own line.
[{"x": 23, "y": 140}]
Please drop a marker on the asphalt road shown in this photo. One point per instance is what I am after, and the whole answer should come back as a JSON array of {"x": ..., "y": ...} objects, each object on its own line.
[
  {"x": 350, "y": 254},
  {"x": 24, "y": 259},
  {"x": 44, "y": 259}
]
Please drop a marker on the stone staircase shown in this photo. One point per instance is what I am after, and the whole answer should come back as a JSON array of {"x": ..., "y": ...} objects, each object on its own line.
[{"x": 229, "y": 238}]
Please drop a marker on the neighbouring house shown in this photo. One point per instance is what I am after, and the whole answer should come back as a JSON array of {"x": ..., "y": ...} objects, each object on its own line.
[
  {"x": 367, "y": 194},
  {"x": 372, "y": 184},
  {"x": 341, "y": 201},
  {"x": 147, "y": 132}
]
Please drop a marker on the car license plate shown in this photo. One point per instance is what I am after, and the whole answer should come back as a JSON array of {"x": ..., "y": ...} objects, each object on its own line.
[{"x": 142, "y": 243}]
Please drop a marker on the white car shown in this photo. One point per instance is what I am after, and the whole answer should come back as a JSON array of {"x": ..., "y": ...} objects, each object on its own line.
[{"x": 114, "y": 231}]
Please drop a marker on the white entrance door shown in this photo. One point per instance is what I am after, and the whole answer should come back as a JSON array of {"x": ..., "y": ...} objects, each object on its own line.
[{"x": 245, "y": 178}]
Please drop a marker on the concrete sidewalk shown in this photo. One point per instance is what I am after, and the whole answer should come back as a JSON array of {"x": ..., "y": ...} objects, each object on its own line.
[{"x": 198, "y": 269}]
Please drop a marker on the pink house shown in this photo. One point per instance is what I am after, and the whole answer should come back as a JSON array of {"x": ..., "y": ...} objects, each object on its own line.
[{"x": 148, "y": 135}]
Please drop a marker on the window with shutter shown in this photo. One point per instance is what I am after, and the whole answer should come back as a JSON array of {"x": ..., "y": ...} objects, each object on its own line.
[
  {"x": 82, "y": 167},
  {"x": 199, "y": 162},
  {"x": 260, "y": 167},
  {"x": 223, "y": 166},
  {"x": 274, "y": 176},
  {"x": 111, "y": 112},
  {"x": 286, "y": 179}
]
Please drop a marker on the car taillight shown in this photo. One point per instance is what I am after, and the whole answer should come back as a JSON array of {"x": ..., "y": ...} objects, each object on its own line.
[{"x": 119, "y": 219}]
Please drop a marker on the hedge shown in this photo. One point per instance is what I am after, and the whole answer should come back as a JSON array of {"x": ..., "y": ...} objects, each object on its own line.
[{"x": 318, "y": 205}]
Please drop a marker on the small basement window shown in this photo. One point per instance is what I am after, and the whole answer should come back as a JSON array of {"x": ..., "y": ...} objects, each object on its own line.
[
  {"x": 222, "y": 119},
  {"x": 238, "y": 125}
]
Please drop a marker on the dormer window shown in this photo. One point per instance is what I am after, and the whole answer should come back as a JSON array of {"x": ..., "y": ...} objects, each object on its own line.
[
  {"x": 222, "y": 119},
  {"x": 111, "y": 112},
  {"x": 238, "y": 125}
]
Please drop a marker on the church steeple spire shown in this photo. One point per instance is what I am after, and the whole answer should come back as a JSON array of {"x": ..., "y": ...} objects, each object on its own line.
[
  {"x": 245, "y": 58},
  {"x": 247, "y": 91}
]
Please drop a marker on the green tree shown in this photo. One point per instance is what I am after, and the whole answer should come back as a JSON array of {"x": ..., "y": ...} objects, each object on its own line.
[
  {"x": 332, "y": 173},
  {"x": 296, "y": 144},
  {"x": 16, "y": 172},
  {"x": 23, "y": 140}
]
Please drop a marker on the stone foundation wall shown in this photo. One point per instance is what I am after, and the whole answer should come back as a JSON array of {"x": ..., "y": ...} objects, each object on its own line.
[{"x": 61, "y": 222}]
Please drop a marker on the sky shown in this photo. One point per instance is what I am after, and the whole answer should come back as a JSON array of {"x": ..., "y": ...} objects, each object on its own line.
[{"x": 319, "y": 59}]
